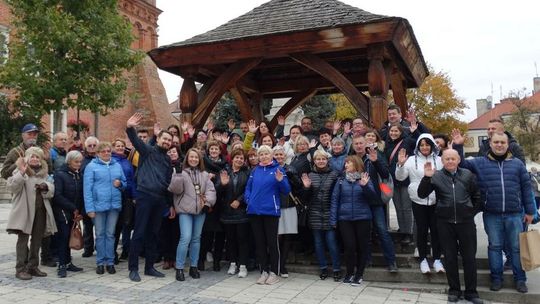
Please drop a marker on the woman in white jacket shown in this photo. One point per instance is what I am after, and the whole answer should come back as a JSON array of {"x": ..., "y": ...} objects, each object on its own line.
[{"x": 423, "y": 209}]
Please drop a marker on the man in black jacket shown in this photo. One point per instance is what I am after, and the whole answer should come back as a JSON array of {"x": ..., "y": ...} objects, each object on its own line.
[
  {"x": 153, "y": 179},
  {"x": 458, "y": 197}
]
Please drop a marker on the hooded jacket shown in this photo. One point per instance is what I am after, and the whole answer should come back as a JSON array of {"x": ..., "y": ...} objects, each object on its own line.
[
  {"x": 263, "y": 190},
  {"x": 414, "y": 169},
  {"x": 99, "y": 193}
]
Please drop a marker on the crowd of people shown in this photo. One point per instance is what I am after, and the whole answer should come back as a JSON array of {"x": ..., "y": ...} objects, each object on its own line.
[{"x": 248, "y": 194}]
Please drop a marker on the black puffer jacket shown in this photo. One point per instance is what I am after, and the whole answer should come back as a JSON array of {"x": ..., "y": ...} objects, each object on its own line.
[
  {"x": 230, "y": 192},
  {"x": 68, "y": 193},
  {"x": 458, "y": 197},
  {"x": 296, "y": 188},
  {"x": 319, "y": 197},
  {"x": 212, "y": 220}
]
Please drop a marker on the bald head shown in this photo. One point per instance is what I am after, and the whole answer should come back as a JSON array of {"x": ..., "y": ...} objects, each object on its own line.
[{"x": 450, "y": 160}]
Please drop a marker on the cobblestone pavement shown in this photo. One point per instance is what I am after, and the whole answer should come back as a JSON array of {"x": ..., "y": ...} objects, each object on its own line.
[{"x": 213, "y": 287}]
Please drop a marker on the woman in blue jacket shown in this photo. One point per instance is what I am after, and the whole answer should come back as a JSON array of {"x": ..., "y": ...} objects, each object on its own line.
[
  {"x": 103, "y": 184},
  {"x": 350, "y": 207},
  {"x": 265, "y": 185}
]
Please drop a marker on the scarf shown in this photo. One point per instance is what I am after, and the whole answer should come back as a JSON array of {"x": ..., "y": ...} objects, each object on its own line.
[{"x": 352, "y": 176}]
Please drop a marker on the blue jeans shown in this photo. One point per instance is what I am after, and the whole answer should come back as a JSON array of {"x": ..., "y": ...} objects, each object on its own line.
[
  {"x": 503, "y": 231},
  {"x": 319, "y": 238},
  {"x": 105, "y": 225},
  {"x": 190, "y": 236},
  {"x": 379, "y": 225}
]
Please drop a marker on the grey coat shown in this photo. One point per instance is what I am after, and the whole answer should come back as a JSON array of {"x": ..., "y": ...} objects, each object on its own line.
[{"x": 185, "y": 198}]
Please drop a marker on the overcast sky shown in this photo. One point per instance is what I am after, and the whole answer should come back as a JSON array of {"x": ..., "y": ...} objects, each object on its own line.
[{"x": 481, "y": 44}]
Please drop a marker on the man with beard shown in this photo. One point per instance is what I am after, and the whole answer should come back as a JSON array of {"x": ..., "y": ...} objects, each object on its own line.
[{"x": 153, "y": 179}]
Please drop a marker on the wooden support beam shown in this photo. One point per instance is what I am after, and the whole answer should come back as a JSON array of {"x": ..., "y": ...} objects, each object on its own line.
[
  {"x": 336, "y": 77},
  {"x": 256, "y": 107},
  {"x": 222, "y": 83},
  {"x": 188, "y": 99},
  {"x": 399, "y": 91},
  {"x": 242, "y": 101},
  {"x": 294, "y": 85},
  {"x": 296, "y": 101},
  {"x": 378, "y": 73}
]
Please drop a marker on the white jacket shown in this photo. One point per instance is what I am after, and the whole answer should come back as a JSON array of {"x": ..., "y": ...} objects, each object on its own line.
[{"x": 414, "y": 170}]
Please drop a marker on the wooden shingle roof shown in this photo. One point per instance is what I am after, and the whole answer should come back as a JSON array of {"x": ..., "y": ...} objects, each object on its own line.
[{"x": 285, "y": 16}]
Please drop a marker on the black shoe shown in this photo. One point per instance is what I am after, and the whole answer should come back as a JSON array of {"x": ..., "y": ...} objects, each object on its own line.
[
  {"x": 406, "y": 240},
  {"x": 495, "y": 286},
  {"x": 453, "y": 298},
  {"x": 217, "y": 266},
  {"x": 200, "y": 265},
  {"x": 110, "y": 269},
  {"x": 73, "y": 268},
  {"x": 180, "y": 275},
  {"x": 392, "y": 268},
  {"x": 134, "y": 276},
  {"x": 521, "y": 286},
  {"x": 100, "y": 269},
  {"x": 348, "y": 279},
  {"x": 153, "y": 273},
  {"x": 475, "y": 300},
  {"x": 62, "y": 273},
  {"x": 87, "y": 254},
  {"x": 357, "y": 280},
  {"x": 124, "y": 255},
  {"x": 324, "y": 274},
  {"x": 116, "y": 260},
  {"x": 337, "y": 276},
  {"x": 194, "y": 273},
  {"x": 48, "y": 263}
]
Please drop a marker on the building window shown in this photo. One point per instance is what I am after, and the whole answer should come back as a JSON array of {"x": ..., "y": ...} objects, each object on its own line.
[{"x": 4, "y": 40}]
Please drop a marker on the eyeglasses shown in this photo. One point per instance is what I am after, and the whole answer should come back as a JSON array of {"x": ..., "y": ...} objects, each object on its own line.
[
  {"x": 91, "y": 145},
  {"x": 105, "y": 151}
]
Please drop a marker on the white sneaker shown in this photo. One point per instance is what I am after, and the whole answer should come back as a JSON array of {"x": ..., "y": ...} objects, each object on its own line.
[
  {"x": 209, "y": 257},
  {"x": 242, "y": 273},
  {"x": 262, "y": 278},
  {"x": 439, "y": 268},
  {"x": 232, "y": 269},
  {"x": 504, "y": 258},
  {"x": 416, "y": 254},
  {"x": 424, "y": 266},
  {"x": 272, "y": 279}
]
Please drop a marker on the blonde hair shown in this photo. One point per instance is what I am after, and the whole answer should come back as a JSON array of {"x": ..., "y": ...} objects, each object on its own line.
[{"x": 264, "y": 149}]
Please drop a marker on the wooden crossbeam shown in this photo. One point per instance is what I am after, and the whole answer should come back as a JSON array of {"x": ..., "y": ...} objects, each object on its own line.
[
  {"x": 336, "y": 77},
  {"x": 242, "y": 101},
  {"x": 296, "y": 101}
]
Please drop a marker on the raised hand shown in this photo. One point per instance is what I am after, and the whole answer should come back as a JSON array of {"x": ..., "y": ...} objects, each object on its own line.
[
  {"x": 279, "y": 175},
  {"x": 134, "y": 120},
  {"x": 402, "y": 156},
  {"x": 372, "y": 154},
  {"x": 157, "y": 128},
  {"x": 224, "y": 177},
  {"x": 21, "y": 165},
  {"x": 210, "y": 125},
  {"x": 428, "y": 169},
  {"x": 252, "y": 126},
  {"x": 225, "y": 138},
  {"x": 457, "y": 137},
  {"x": 231, "y": 124},
  {"x": 364, "y": 178},
  {"x": 312, "y": 143},
  {"x": 306, "y": 180},
  {"x": 337, "y": 126},
  {"x": 347, "y": 128},
  {"x": 281, "y": 120},
  {"x": 184, "y": 126},
  {"x": 191, "y": 130},
  {"x": 414, "y": 126}
]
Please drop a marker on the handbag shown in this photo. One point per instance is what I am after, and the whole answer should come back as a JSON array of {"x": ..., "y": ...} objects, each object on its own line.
[
  {"x": 529, "y": 249},
  {"x": 301, "y": 210},
  {"x": 76, "y": 241}
]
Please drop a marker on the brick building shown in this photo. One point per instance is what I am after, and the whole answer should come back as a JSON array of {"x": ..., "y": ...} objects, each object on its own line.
[{"x": 145, "y": 91}]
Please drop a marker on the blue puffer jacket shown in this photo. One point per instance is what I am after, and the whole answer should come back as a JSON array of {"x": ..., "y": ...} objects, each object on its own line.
[
  {"x": 337, "y": 161},
  {"x": 505, "y": 187},
  {"x": 263, "y": 190},
  {"x": 99, "y": 193},
  {"x": 350, "y": 201},
  {"x": 127, "y": 167}
]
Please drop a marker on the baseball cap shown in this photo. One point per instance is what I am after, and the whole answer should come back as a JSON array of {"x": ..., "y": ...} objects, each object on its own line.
[{"x": 29, "y": 128}]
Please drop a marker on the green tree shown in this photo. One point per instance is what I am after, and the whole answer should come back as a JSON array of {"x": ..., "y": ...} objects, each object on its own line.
[
  {"x": 437, "y": 104},
  {"x": 524, "y": 123},
  {"x": 68, "y": 54},
  {"x": 320, "y": 108},
  {"x": 11, "y": 124},
  {"x": 344, "y": 108},
  {"x": 225, "y": 109}
]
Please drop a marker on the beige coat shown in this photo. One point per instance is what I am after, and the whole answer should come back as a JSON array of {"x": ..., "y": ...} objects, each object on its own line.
[
  {"x": 185, "y": 198},
  {"x": 23, "y": 199}
]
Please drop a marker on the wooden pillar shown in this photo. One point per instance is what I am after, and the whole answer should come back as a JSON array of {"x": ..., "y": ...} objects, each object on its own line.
[
  {"x": 188, "y": 99},
  {"x": 399, "y": 91},
  {"x": 377, "y": 85},
  {"x": 242, "y": 101},
  {"x": 256, "y": 107}
]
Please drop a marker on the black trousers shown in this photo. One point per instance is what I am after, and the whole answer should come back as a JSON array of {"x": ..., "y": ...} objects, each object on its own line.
[
  {"x": 238, "y": 242},
  {"x": 88, "y": 233},
  {"x": 64, "y": 230},
  {"x": 265, "y": 231},
  {"x": 212, "y": 241},
  {"x": 462, "y": 238},
  {"x": 355, "y": 235},
  {"x": 148, "y": 216},
  {"x": 169, "y": 236},
  {"x": 426, "y": 223}
]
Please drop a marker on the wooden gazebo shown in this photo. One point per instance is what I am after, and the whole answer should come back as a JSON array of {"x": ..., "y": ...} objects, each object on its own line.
[{"x": 297, "y": 49}]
